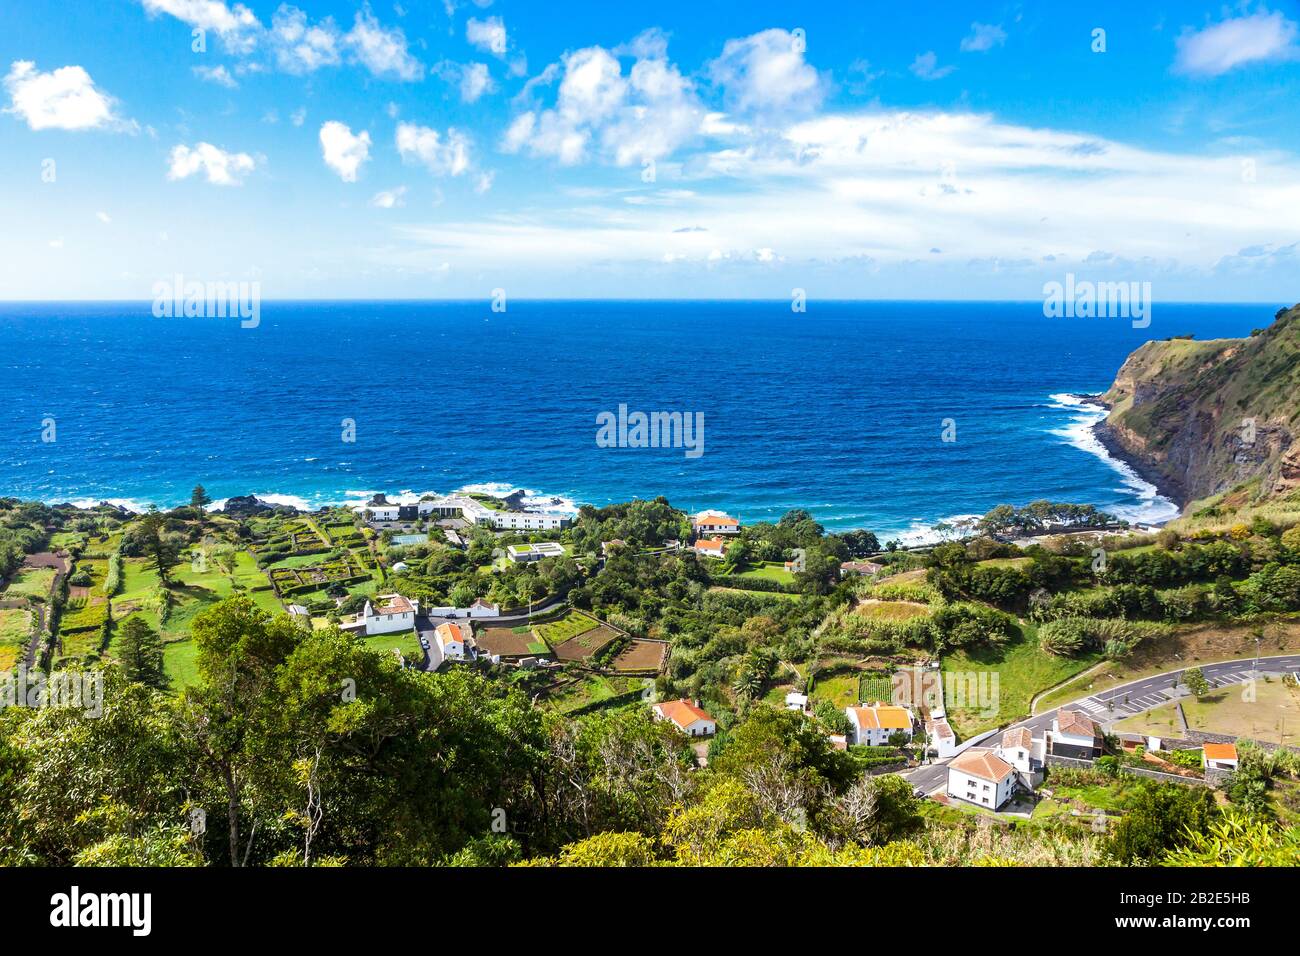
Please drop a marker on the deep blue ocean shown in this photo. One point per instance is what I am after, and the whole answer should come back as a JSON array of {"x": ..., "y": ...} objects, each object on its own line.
[{"x": 839, "y": 410}]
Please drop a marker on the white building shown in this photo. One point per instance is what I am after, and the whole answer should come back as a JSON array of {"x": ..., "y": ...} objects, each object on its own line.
[
  {"x": 711, "y": 547},
  {"x": 1075, "y": 735},
  {"x": 796, "y": 701},
  {"x": 874, "y": 725},
  {"x": 475, "y": 512},
  {"x": 714, "y": 522},
  {"x": 981, "y": 777},
  {"x": 1022, "y": 751},
  {"x": 452, "y": 642},
  {"x": 940, "y": 738},
  {"x": 529, "y": 520},
  {"x": 687, "y": 716},
  {"x": 482, "y": 608},
  {"x": 389, "y": 613},
  {"x": 1219, "y": 756},
  {"x": 523, "y": 553},
  {"x": 383, "y": 512}
]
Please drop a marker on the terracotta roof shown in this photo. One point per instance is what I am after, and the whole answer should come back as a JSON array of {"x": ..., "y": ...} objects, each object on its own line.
[
  {"x": 449, "y": 632},
  {"x": 984, "y": 764},
  {"x": 1076, "y": 724},
  {"x": 682, "y": 712},
  {"x": 711, "y": 544},
  {"x": 1220, "y": 751},
  {"x": 482, "y": 603},
  {"x": 723, "y": 521},
  {"x": 392, "y": 604},
  {"x": 939, "y": 728},
  {"x": 883, "y": 717},
  {"x": 1019, "y": 737}
]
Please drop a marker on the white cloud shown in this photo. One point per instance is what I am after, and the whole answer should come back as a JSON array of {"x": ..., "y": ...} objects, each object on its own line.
[
  {"x": 983, "y": 37},
  {"x": 640, "y": 117},
  {"x": 1220, "y": 47},
  {"x": 442, "y": 155},
  {"x": 892, "y": 186},
  {"x": 926, "y": 66},
  {"x": 302, "y": 47},
  {"x": 216, "y": 74},
  {"x": 65, "y": 98},
  {"x": 475, "y": 81},
  {"x": 298, "y": 116},
  {"x": 488, "y": 35},
  {"x": 767, "y": 71},
  {"x": 219, "y": 167},
  {"x": 235, "y": 25},
  {"x": 383, "y": 51},
  {"x": 389, "y": 198},
  {"x": 103, "y": 217},
  {"x": 343, "y": 152}
]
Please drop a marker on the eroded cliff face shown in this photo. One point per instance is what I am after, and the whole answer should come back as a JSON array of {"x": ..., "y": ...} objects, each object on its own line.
[{"x": 1199, "y": 418}]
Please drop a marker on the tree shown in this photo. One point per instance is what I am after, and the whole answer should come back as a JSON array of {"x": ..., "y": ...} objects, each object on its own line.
[
  {"x": 1195, "y": 681},
  {"x": 199, "y": 498},
  {"x": 162, "y": 549},
  {"x": 1159, "y": 819},
  {"x": 140, "y": 651}
]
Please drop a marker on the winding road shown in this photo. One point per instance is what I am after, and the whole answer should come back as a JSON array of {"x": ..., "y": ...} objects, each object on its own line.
[{"x": 1124, "y": 700}]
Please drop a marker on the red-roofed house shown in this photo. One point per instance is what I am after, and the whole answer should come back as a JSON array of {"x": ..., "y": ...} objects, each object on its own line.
[
  {"x": 1075, "y": 735},
  {"x": 711, "y": 523},
  {"x": 711, "y": 547},
  {"x": 389, "y": 613},
  {"x": 1219, "y": 756},
  {"x": 687, "y": 716},
  {"x": 981, "y": 777},
  {"x": 874, "y": 725}
]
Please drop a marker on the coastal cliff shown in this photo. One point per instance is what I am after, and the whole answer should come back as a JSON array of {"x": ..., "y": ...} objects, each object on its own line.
[{"x": 1200, "y": 418}]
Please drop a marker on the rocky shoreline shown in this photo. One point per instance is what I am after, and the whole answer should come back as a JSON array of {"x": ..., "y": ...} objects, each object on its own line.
[{"x": 1145, "y": 469}]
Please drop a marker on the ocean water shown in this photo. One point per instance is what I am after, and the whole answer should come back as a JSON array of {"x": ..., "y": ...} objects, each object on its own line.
[{"x": 840, "y": 410}]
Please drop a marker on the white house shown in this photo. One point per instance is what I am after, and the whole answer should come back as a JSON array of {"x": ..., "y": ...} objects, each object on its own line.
[
  {"x": 389, "y": 613},
  {"x": 383, "y": 512},
  {"x": 1017, "y": 749},
  {"x": 528, "y": 520},
  {"x": 940, "y": 738},
  {"x": 714, "y": 522},
  {"x": 796, "y": 701},
  {"x": 523, "y": 553},
  {"x": 711, "y": 547},
  {"x": 452, "y": 641},
  {"x": 981, "y": 777},
  {"x": 874, "y": 725},
  {"x": 1075, "y": 735},
  {"x": 688, "y": 717},
  {"x": 1219, "y": 756},
  {"x": 482, "y": 608}
]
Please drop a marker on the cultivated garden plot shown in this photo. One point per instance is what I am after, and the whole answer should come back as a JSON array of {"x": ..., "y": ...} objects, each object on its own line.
[
  {"x": 640, "y": 657},
  {"x": 587, "y": 644}
]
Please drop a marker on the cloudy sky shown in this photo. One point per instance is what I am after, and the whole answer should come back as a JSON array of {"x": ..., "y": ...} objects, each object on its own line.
[{"x": 580, "y": 149}]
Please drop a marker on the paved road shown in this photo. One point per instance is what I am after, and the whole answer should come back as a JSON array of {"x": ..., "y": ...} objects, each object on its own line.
[{"x": 1136, "y": 697}]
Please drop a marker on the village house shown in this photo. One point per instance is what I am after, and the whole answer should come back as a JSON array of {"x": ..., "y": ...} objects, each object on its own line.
[
  {"x": 711, "y": 547},
  {"x": 981, "y": 777},
  {"x": 1022, "y": 751},
  {"x": 863, "y": 568},
  {"x": 940, "y": 737},
  {"x": 796, "y": 701},
  {"x": 1219, "y": 756},
  {"x": 687, "y": 716},
  {"x": 1074, "y": 735},
  {"x": 874, "y": 725},
  {"x": 454, "y": 641},
  {"x": 714, "y": 522},
  {"x": 389, "y": 613}
]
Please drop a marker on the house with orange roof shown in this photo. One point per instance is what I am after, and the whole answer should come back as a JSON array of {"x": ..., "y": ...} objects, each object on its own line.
[
  {"x": 452, "y": 641},
  {"x": 940, "y": 737},
  {"x": 687, "y": 716},
  {"x": 1219, "y": 756},
  {"x": 874, "y": 725},
  {"x": 981, "y": 777},
  {"x": 1074, "y": 734},
  {"x": 714, "y": 522},
  {"x": 711, "y": 547},
  {"x": 389, "y": 613}
]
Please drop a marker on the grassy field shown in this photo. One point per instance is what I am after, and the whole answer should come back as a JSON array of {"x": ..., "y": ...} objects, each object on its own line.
[
  {"x": 769, "y": 571},
  {"x": 839, "y": 686},
  {"x": 180, "y": 663},
  {"x": 405, "y": 641},
  {"x": 15, "y": 626},
  {"x": 32, "y": 582},
  {"x": 1021, "y": 668},
  {"x": 592, "y": 690},
  {"x": 891, "y": 610},
  {"x": 1274, "y": 712},
  {"x": 571, "y": 624}
]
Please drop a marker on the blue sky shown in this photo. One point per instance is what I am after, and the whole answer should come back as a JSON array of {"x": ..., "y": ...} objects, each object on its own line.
[{"x": 448, "y": 148}]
